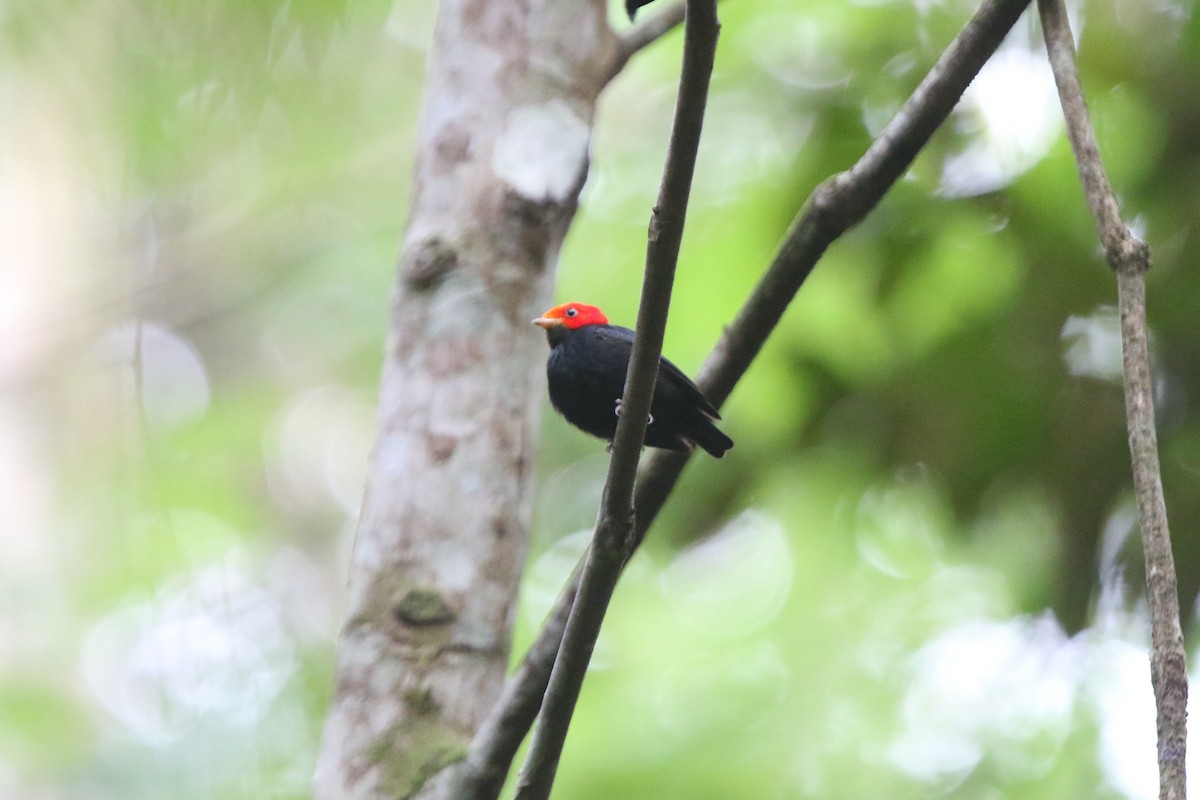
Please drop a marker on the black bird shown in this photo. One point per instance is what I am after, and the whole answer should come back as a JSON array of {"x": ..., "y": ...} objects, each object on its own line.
[{"x": 587, "y": 366}]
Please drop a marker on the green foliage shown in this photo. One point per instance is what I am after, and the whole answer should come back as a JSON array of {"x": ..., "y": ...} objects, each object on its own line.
[{"x": 862, "y": 599}]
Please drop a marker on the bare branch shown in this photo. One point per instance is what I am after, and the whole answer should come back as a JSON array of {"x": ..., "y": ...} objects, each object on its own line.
[
  {"x": 1121, "y": 247},
  {"x": 612, "y": 542},
  {"x": 1168, "y": 664},
  {"x": 646, "y": 33},
  {"x": 1130, "y": 257},
  {"x": 832, "y": 208}
]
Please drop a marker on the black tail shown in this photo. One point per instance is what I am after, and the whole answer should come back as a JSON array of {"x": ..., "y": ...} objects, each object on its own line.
[{"x": 710, "y": 437}]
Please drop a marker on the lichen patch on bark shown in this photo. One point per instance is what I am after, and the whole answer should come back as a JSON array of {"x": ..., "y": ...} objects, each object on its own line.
[
  {"x": 409, "y": 754},
  {"x": 428, "y": 262},
  {"x": 423, "y": 606},
  {"x": 542, "y": 151}
]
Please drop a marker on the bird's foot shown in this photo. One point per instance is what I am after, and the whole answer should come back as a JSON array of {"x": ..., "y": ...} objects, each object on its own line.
[
  {"x": 649, "y": 417},
  {"x": 609, "y": 449}
]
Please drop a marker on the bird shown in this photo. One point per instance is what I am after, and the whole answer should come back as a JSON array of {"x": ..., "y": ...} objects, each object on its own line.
[{"x": 586, "y": 372}]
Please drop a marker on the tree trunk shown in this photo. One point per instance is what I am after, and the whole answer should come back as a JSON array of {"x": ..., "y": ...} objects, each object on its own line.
[{"x": 502, "y": 154}]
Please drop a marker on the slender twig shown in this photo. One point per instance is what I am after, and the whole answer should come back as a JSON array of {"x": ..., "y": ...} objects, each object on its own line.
[
  {"x": 1130, "y": 258},
  {"x": 1168, "y": 663},
  {"x": 833, "y": 207},
  {"x": 645, "y": 33},
  {"x": 612, "y": 541}
]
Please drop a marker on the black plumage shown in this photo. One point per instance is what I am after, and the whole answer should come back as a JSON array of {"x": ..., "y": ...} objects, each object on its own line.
[{"x": 586, "y": 372}]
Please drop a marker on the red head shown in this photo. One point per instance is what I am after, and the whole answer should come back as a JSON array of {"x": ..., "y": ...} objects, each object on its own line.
[{"x": 571, "y": 316}]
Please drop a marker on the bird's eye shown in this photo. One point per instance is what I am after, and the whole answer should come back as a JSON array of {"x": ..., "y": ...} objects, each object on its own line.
[{"x": 572, "y": 312}]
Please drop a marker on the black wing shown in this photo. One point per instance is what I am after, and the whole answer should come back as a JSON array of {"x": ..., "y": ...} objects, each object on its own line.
[{"x": 671, "y": 379}]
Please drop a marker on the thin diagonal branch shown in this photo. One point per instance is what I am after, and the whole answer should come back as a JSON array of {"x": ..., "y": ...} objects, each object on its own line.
[
  {"x": 1121, "y": 247},
  {"x": 612, "y": 542},
  {"x": 646, "y": 33},
  {"x": 1130, "y": 257},
  {"x": 833, "y": 207}
]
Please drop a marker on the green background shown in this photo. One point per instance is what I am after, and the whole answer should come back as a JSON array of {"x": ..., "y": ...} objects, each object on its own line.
[{"x": 917, "y": 574}]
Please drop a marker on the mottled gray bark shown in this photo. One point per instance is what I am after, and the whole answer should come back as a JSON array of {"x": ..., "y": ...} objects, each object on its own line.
[{"x": 502, "y": 154}]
